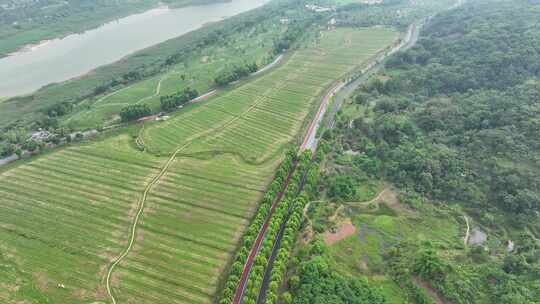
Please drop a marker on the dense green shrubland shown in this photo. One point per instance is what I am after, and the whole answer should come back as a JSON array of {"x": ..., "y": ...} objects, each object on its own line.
[
  {"x": 453, "y": 120},
  {"x": 173, "y": 101},
  {"x": 235, "y": 73}
]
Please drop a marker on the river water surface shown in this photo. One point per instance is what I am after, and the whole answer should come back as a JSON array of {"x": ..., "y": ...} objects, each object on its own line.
[{"x": 62, "y": 59}]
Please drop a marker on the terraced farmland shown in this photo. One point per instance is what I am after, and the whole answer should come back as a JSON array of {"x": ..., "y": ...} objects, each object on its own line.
[{"x": 65, "y": 216}]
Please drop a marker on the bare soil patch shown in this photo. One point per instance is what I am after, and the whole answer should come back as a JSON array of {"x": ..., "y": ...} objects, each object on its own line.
[
  {"x": 344, "y": 229},
  {"x": 42, "y": 281}
]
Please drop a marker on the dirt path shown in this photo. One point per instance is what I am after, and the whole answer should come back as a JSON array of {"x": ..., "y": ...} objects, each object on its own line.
[
  {"x": 432, "y": 293},
  {"x": 158, "y": 90},
  {"x": 269, "y": 66},
  {"x": 377, "y": 198},
  {"x": 142, "y": 202},
  {"x": 468, "y": 233}
]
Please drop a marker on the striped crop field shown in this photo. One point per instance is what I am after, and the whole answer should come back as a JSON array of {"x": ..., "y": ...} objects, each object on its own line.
[
  {"x": 64, "y": 217},
  {"x": 67, "y": 216},
  {"x": 191, "y": 224},
  {"x": 196, "y": 72},
  {"x": 255, "y": 120}
]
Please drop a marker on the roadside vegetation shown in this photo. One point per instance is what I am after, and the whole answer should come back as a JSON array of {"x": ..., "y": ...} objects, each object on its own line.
[{"x": 430, "y": 190}]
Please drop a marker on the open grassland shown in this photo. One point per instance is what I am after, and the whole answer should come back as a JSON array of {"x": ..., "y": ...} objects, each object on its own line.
[
  {"x": 65, "y": 216},
  {"x": 383, "y": 226},
  {"x": 197, "y": 72}
]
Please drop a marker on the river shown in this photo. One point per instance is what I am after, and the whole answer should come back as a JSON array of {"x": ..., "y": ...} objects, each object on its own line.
[{"x": 77, "y": 54}]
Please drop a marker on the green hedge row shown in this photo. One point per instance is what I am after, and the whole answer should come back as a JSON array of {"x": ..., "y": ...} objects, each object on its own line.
[
  {"x": 251, "y": 233},
  {"x": 289, "y": 200},
  {"x": 292, "y": 227}
]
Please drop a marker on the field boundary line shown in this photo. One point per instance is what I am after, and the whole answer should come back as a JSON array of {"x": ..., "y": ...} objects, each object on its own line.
[{"x": 135, "y": 223}]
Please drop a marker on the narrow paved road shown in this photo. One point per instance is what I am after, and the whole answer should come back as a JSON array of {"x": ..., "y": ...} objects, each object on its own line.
[
  {"x": 258, "y": 242},
  {"x": 375, "y": 66}
]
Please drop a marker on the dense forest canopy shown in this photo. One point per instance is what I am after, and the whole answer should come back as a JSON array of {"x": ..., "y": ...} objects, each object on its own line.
[
  {"x": 457, "y": 116},
  {"x": 454, "y": 121}
]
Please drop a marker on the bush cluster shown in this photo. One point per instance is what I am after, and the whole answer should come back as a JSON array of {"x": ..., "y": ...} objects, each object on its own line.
[
  {"x": 136, "y": 111},
  {"x": 235, "y": 74},
  {"x": 171, "y": 102}
]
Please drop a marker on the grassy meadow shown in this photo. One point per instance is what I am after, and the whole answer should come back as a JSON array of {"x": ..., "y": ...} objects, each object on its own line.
[
  {"x": 256, "y": 119},
  {"x": 66, "y": 215},
  {"x": 198, "y": 72},
  {"x": 379, "y": 224}
]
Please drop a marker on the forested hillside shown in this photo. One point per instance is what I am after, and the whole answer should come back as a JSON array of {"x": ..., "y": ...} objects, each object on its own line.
[
  {"x": 448, "y": 137},
  {"x": 456, "y": 117}
]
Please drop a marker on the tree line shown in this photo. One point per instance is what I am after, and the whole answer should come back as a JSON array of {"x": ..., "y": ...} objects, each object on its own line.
[
  {"x": 233, "y": 74},
  {"x": 173, "y": 101},
  {"x": 237, "y": 267}
]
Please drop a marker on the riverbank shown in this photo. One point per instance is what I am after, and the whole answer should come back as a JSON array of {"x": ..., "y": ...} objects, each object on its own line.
[
  {"x": 27, "y": 71},
  {"x": 89, "y": 134},
  {"x": 139, "y": 66},
  {"x": 23, "y": 35}
]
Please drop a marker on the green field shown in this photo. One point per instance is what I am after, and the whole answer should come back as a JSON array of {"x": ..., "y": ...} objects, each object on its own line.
[
  {"x": 256, "y": 119},
  {"x": 197, "y": 72},
  {"x": 66, "y": 216}
]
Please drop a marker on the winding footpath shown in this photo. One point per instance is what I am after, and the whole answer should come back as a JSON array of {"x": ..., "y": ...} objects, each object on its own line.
[
  {"x": 133, "y": 233},
  {"x": 156, "y": 179}
]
